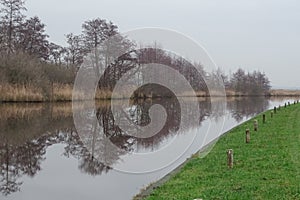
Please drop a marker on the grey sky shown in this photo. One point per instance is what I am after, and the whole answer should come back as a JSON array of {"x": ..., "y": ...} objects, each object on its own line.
[{"x": 252, "y": 34}]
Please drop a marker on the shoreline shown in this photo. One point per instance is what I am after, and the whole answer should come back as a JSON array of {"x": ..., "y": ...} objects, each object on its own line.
[
  {"x": 64, "y": 93},
  {"x": 144, "y": 98},
  {"x": 145, "y": 192}
]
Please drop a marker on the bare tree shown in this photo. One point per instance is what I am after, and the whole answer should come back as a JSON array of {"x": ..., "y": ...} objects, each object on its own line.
[
  {"x": 11, "y": 20},
  {"x": 33, "y": 39},
  {"x": 238, "y": 80},
  {"x": 255, "y": 83},
  {"x": 74, "y": 50},
  {"x": 96, "y": 31},
  {"x": 56, "y": 53},
  {"x": 219, "y": 75}
]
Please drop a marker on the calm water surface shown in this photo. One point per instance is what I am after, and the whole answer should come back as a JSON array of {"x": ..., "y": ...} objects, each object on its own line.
[{"x": 43, "y": 157}]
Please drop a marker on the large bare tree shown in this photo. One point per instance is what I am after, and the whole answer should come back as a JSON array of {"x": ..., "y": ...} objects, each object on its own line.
[
  {"x": 96, "y": 31},
  {"x": 33, "y": 39},
  {"x": 11, "y": 20},
  {"x": 75, "y": 50}
]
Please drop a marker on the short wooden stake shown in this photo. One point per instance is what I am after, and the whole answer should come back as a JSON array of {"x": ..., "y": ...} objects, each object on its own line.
[
  {"x": 247, "y": 136},
  {"x": 275, "y": 109},
  {"x": 272, "y": 114},
  {"x": 264, "y": 118},
  {"x": 230, "y": 158},
  {"x": 285, "y": 105},
  {"x": 255, "y": 125}
]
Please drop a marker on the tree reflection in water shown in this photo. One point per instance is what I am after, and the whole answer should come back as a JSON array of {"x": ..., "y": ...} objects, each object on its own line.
[
  {"x": 140, "y": 115},
  {"x": 241, "y": 108},
  {"x": 27, "y": 131}
]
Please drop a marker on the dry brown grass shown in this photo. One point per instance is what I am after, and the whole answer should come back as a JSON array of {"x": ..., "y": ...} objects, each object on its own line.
[
  {"x": 281, "y": 92},
  {"x": 63, "y": 92},
  {"x": 30, "y": 93},
  {"x": 19, "y": 93}
]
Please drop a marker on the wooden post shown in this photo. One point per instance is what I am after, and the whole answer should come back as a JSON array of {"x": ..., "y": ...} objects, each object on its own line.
[
  {"x": 285, "y": 105},
  {"x": 230, "y": 158},
  {"x": 275, "y": 109},
  {"x": 272, "y": 114},
  {"x": 255, "y": 125},
  {"x": 247, "y": 136},
  {"x": 278, "y": 108},
  {"x": 264, "y": 118}
]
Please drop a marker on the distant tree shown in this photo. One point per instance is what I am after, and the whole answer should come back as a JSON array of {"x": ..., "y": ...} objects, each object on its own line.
[
  {"x": 255, "y": 83},
  {"x": 33, "y": 39},
  {"x": 56, "y": 53},
  {"x": 238, "y": 81},
  {"x": 201, "y": 70},
  {"x": 104, "y": 44},
  {"x": 264, "y": 81},
  {"x": 258, "y": 83},
  {"x": 11, "y": 20},
  {"x": 217, "y": 76},
  {"x": 74, "y": 50},
  {"x": 96, "y": 31}
]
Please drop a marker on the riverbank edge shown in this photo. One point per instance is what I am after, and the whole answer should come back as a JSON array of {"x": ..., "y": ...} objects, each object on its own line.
[
  {"x": 145, "y": 192},
  {"x": 64, "y": 93},
  {"x": 104, "y": 98}
]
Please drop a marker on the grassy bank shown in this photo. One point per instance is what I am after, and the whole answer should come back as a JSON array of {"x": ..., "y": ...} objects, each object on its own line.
[{"x": 266, "y": 168}]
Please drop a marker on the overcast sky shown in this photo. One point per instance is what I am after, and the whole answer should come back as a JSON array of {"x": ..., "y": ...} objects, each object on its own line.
[{"x": 255, "y": 34}]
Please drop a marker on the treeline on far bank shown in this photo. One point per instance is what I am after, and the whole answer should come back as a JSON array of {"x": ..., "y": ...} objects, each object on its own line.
[
  {"x": 27, "y": 78},
  {"x": 34, "y": 69}
]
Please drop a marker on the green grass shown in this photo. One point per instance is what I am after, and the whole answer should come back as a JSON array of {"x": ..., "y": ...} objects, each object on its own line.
[{"x": 266, "y": 168}]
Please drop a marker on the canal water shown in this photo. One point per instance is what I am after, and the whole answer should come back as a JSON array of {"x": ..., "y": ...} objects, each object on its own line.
[{"x": 43, "y": 155}]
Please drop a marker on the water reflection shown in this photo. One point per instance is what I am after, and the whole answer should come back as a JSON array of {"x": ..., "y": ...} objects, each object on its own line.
[
  {"x": 138, "y": 113},
  {"x": 75, "y": 148},
  {"x": 28, "y": 130},
  {"x": 23, "y": 145},
  {"x": 241, "y": 108}
]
